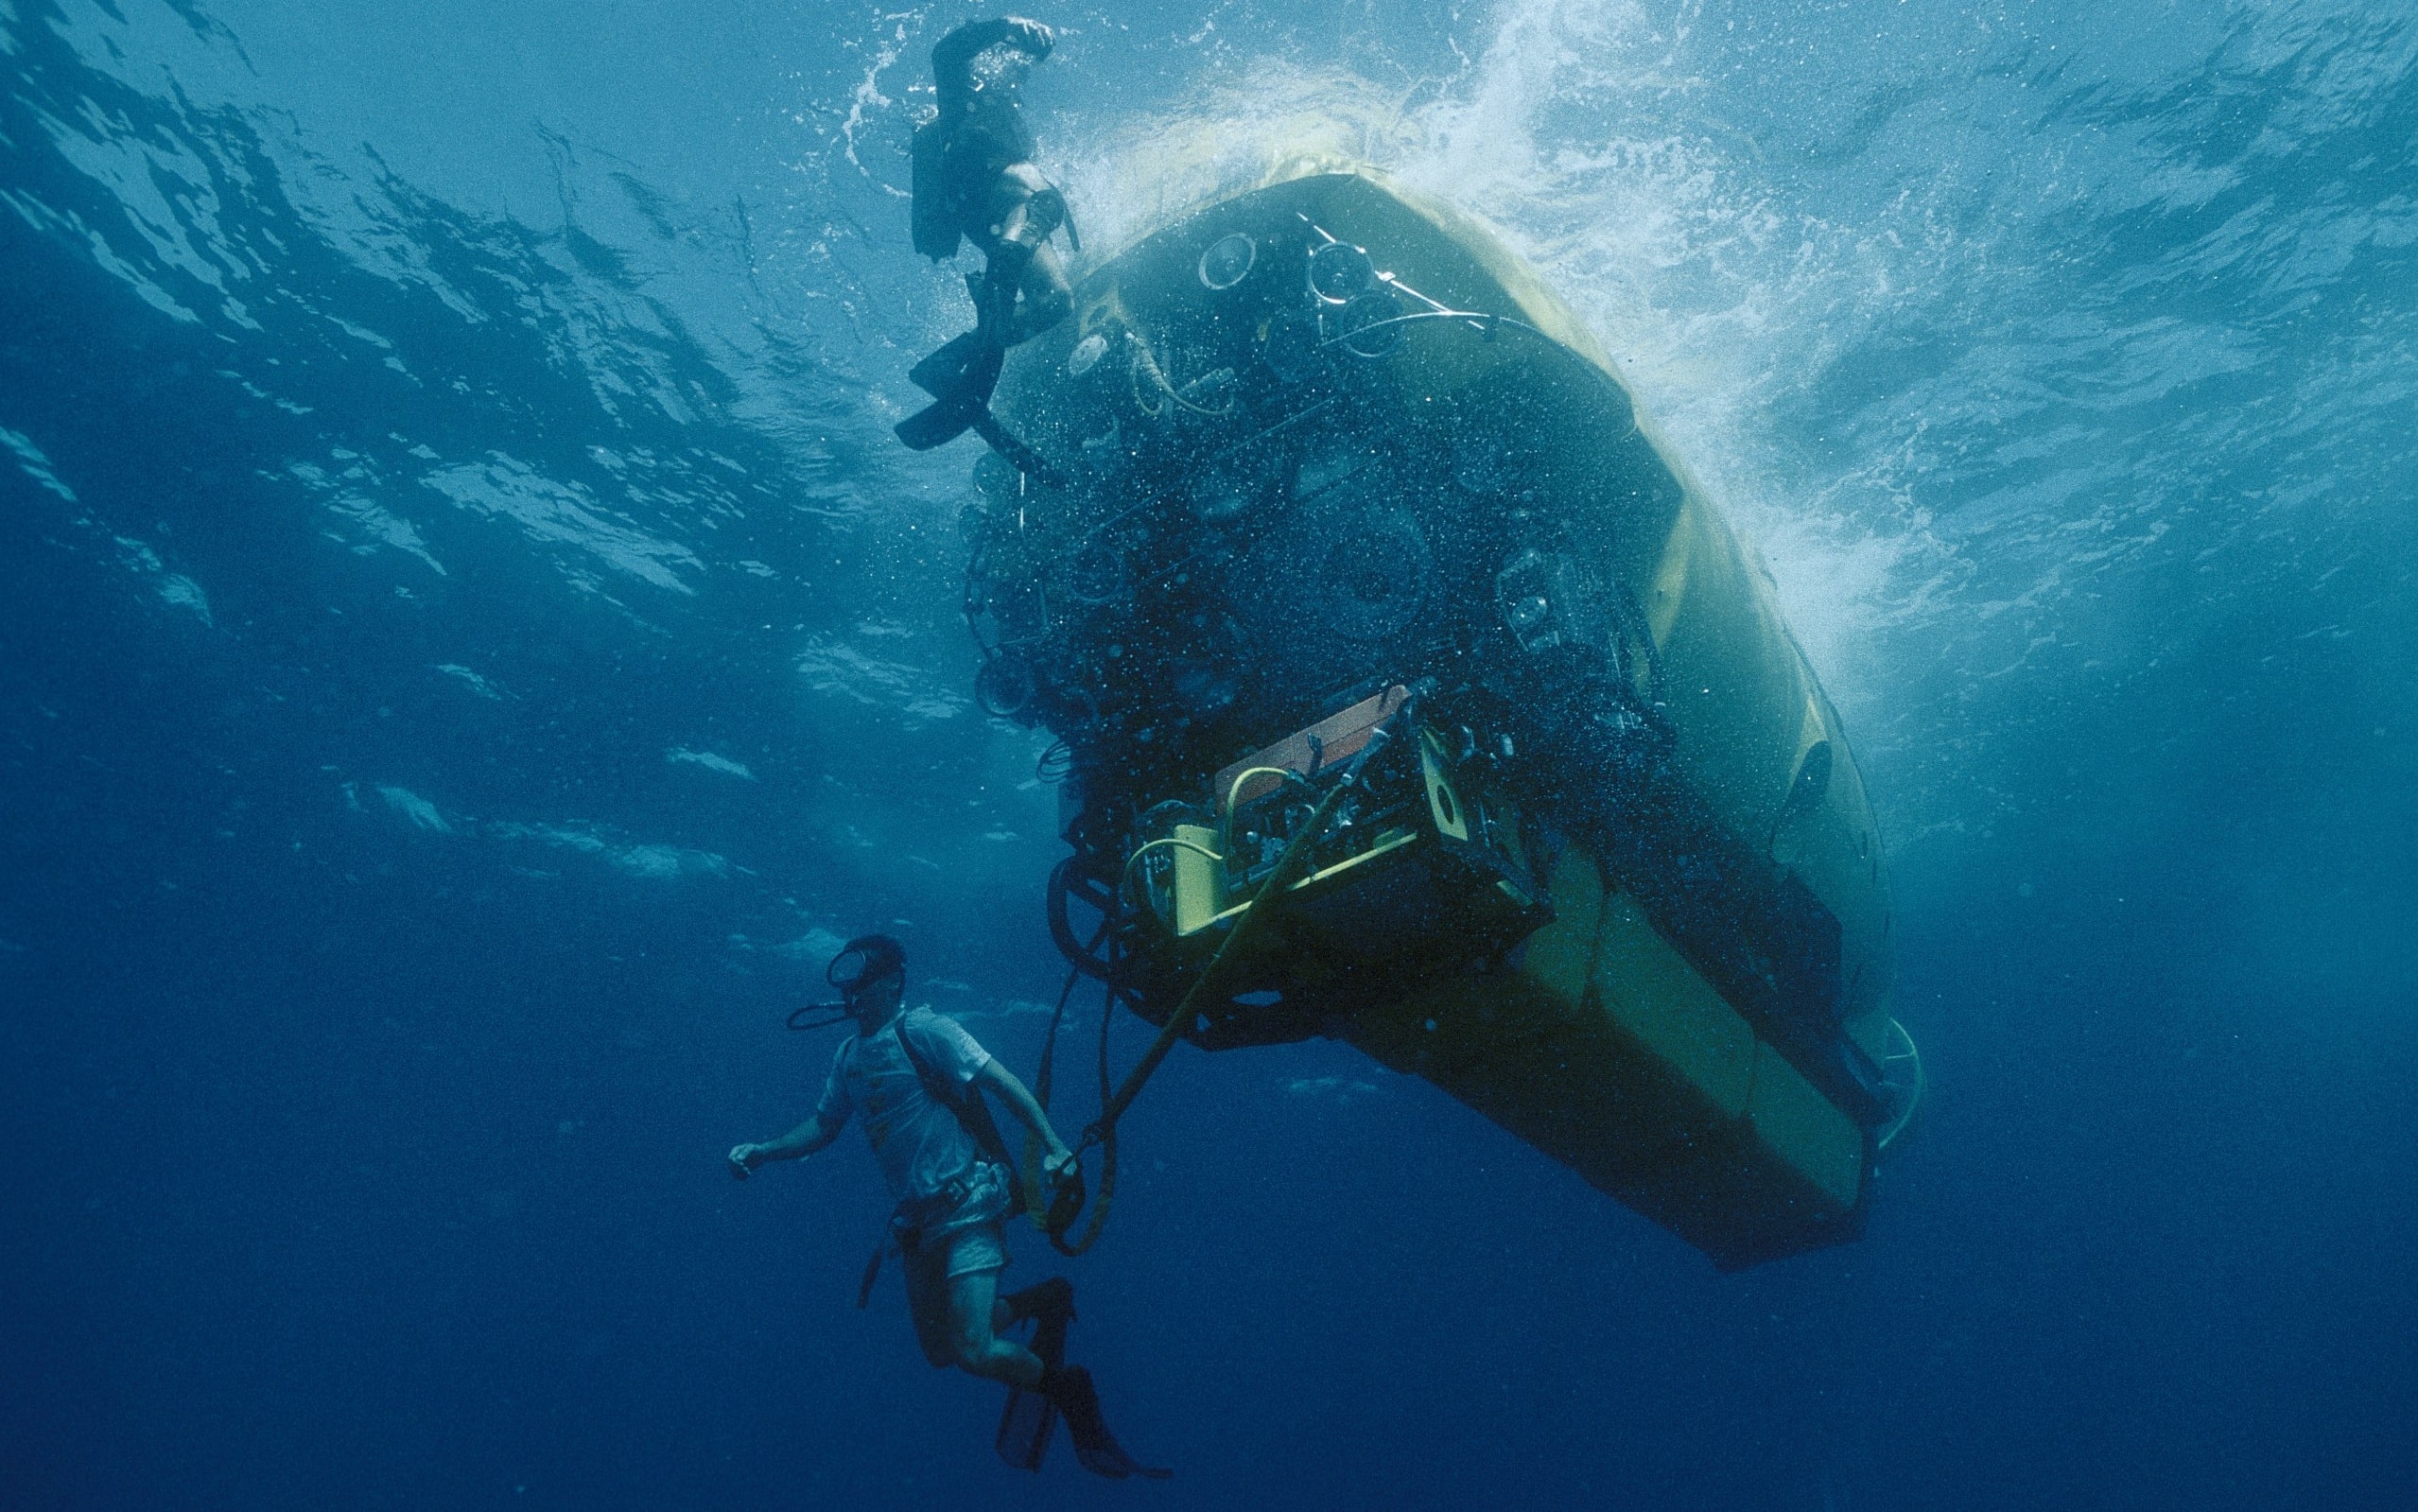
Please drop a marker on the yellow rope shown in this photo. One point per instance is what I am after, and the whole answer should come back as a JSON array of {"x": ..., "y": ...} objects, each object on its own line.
[
  {"x": 1125, "y": 883},
  {"x": 1234, "y": 789},
  {"x": 1297, "y": 856}
]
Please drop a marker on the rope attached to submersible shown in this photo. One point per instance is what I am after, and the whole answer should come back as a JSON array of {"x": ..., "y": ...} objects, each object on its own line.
[
  {"x": 1113, "y": 1103},
  {"x": 1036, "y": 1203}
]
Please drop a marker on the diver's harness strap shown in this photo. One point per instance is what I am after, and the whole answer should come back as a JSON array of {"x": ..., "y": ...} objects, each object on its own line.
[
  {"x": 904, "y": 1229},
  {"x": 907, "y": 1221},
  {"x": 1113, "y": 1103},
  {"x": 973, "y": 1114}
]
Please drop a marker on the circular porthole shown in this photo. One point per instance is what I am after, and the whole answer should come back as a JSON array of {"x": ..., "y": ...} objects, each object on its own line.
[
  {"x": 1086, "y": 353},
  {"x": 1338, "y": 270},
  {"x": 1368, "y": 327},
  {"x": 1003, "y": 687},
  {"x": 1228, "y": 261}
]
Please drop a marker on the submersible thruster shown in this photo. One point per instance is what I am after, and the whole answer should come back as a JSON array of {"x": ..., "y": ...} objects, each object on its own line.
[{"x": 1323, "y": 533}]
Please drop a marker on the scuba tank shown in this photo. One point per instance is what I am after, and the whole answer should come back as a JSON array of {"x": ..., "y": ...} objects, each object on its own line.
[{"x": 930, "y": 214}]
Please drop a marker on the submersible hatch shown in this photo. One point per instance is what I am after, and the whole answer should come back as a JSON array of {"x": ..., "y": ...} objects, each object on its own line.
[{"x": 1325, "y": 490}]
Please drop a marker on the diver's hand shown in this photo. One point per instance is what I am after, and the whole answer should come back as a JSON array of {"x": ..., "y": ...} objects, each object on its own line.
[
  {"x": 1032, "y": 36},
  {"x": 1060, "y": 1166},
  {"x": 743, "y": 1160}
]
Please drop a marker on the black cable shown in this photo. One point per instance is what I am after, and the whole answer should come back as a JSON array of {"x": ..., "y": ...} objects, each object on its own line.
[{"x": 1050, "y": 1042}]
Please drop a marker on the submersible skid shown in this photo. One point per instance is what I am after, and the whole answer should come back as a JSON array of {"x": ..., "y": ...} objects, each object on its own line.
[{"x": 1320, "y": 488}]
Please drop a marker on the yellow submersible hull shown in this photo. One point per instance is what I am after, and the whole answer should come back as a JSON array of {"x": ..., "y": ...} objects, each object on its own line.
[{"x": 1329, "y": 546}]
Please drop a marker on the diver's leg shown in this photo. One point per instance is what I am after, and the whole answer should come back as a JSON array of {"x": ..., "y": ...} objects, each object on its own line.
[
  {"x": 1024, "y": 291},
  {"x": 1005, "y": 262},
  {"x": 928, "y": 1304},
  {"x": 980, "y": 1350},
  {"x": 1020, "y": 262},
  {"x": 1048, "y": 296}
]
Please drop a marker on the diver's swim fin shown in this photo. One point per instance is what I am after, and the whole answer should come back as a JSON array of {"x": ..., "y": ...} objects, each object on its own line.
[
  {"x": 944, "y": 372},
  {"x": 1069, "y": 1388},
  {"x": 1051, "y": 1301},
  {"x": 1026, "y": 1427},
  {"x": 1030, "y": 1419},
  {"x": 962, "y": 391}
]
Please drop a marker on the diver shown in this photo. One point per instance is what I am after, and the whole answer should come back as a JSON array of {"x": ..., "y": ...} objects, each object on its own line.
[
  {"x": 917, "y": 1076},
  {"x": 974, "y": 178}
]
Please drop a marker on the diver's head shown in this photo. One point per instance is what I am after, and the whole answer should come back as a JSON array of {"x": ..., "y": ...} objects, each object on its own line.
[{"x": 871, "y": 973}]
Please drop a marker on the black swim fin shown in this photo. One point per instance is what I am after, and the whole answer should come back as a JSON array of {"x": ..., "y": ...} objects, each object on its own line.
[
  {"x": 1030, "y": 1420},
  {"x": 1070, "y": 1389},
  {"x": 944, "y": 372},
  {"x": 1049, "y": 1301},
  {"x": 962, "y": 390},
  {"x": 1026, "y": 1427}
]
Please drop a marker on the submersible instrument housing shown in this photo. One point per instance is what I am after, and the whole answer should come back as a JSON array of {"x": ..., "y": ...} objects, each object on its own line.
[{"x": 1320, "y": 485}]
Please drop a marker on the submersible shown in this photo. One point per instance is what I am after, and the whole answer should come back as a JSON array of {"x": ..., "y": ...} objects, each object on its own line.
[{"x": 1329, "y": 547}]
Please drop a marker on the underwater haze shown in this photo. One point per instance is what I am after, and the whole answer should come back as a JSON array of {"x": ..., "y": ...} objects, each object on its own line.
[{"x": 470, "y": 648}]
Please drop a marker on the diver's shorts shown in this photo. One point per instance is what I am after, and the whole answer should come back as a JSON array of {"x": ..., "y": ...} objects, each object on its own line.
[
  {"x": 976, "y": 1249},
  {"x": 971, "y": 1251},
  {"x": 943, "y": 1258},
  {"x": 968, "y": 1236},
  {"x": 1018, "y": 184}
]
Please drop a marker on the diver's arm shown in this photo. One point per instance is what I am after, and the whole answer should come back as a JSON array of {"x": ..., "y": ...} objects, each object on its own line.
[
  {"x": 1001, "y": 1081},
  {"x": 796, "y": 1144},
  {"x": 953, "y": 55}
]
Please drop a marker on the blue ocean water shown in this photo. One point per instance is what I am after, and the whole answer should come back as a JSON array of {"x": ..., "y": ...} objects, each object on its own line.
[{"x": 469, "y": 648}]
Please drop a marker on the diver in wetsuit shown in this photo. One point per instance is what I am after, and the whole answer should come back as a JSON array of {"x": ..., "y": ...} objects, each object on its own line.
[
  {"x": 915, "y": 1076},
  {"x": 975, "y": 180}
]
